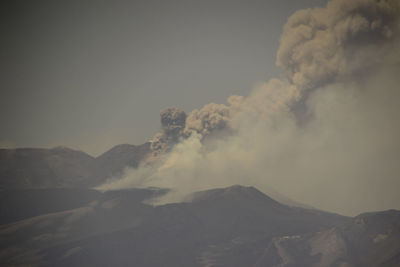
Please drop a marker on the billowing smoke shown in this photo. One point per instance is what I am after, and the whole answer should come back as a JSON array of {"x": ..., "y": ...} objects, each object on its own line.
[
  {"x": 173, "y": 122},
  {"x": 342, "y": 62},
  {"x": 323, "y": 45},
  {"x": 209, "y": 119}
]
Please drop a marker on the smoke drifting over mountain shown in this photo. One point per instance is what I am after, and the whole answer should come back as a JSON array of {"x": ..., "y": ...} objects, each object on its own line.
[{"x": 341, "y": 62}]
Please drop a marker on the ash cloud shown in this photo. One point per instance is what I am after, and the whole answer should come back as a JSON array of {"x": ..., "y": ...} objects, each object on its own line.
[
  {"x": 173, "y": 122},
  {"x": 211, "y": 118},
  {"x": 322, "y": 45},
  {"x": 342, "y": 62}
]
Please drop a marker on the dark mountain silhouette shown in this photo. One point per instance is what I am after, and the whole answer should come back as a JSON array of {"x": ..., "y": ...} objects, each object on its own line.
[
  {"x": 113, "y": 162},
  {"x": 27, "y": 168},
  {"x": 17, "y": 205},
  {"x": 61, "y": 167},
  {"x": 234, "y": 226},
  {"x": 41, "y": 168},
  {"x": 223, "y": 227},
  {"x": 49, "y": 216}
]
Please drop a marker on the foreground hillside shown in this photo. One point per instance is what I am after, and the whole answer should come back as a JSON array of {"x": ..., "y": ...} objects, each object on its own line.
[
  {"x": 371, "y": 239},
  {"x": 234, "y": 226}
]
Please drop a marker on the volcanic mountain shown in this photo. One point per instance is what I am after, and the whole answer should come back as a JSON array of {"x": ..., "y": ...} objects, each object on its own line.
[
  {"x": 50, "y": 216},
  {"x": 234, "y": 226}
]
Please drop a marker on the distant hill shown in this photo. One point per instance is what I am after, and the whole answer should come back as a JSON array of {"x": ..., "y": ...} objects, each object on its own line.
[
  {"x": 41, "y": 168},
  {"x": 49, "y": 216},
  {"x": 26, "y": 168},
  {"x": 114, "y": 161},
  {"x": 62, "y": 167}
]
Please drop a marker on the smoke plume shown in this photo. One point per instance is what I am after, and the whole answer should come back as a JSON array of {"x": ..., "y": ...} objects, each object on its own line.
[
  {"x": 323, "y": 45},
  {"x": 173, "y": 123},
  {"x": 342, "y": 63}
]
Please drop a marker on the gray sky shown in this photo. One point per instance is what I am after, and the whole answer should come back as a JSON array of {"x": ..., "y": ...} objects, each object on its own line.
[{"x": 93, "y": 74}]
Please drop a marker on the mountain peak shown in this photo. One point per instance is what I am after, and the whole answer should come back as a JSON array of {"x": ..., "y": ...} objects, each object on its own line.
[{"x": 231, "y": 193}]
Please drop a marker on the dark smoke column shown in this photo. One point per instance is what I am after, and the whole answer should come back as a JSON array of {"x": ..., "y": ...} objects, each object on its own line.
[{"x": 173, "y": 121}]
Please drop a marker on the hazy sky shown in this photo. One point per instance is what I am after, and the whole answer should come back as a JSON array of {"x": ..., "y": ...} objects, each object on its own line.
[{"x": 93, "y": 74}]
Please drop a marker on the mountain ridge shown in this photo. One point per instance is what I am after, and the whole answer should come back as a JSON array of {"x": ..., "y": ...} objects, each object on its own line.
[
  {"x": 231, "y": 226},
  {"x": 63, "y": 167},
  {"x": 24, "y": 168}
]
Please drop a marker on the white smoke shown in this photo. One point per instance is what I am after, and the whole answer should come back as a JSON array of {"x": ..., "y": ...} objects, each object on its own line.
[{"x": 342, "y": 62}]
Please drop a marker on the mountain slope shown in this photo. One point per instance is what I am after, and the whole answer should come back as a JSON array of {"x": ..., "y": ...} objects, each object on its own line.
[
  {"x": 114, "y": 161},
  {"x": 41, "y": 168},
  {"x": 371, "y": 239},
  {"x": 27, "y": 168},
  {"x": 17, "y": 205},
  {"x": 228, "y": 227}
]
